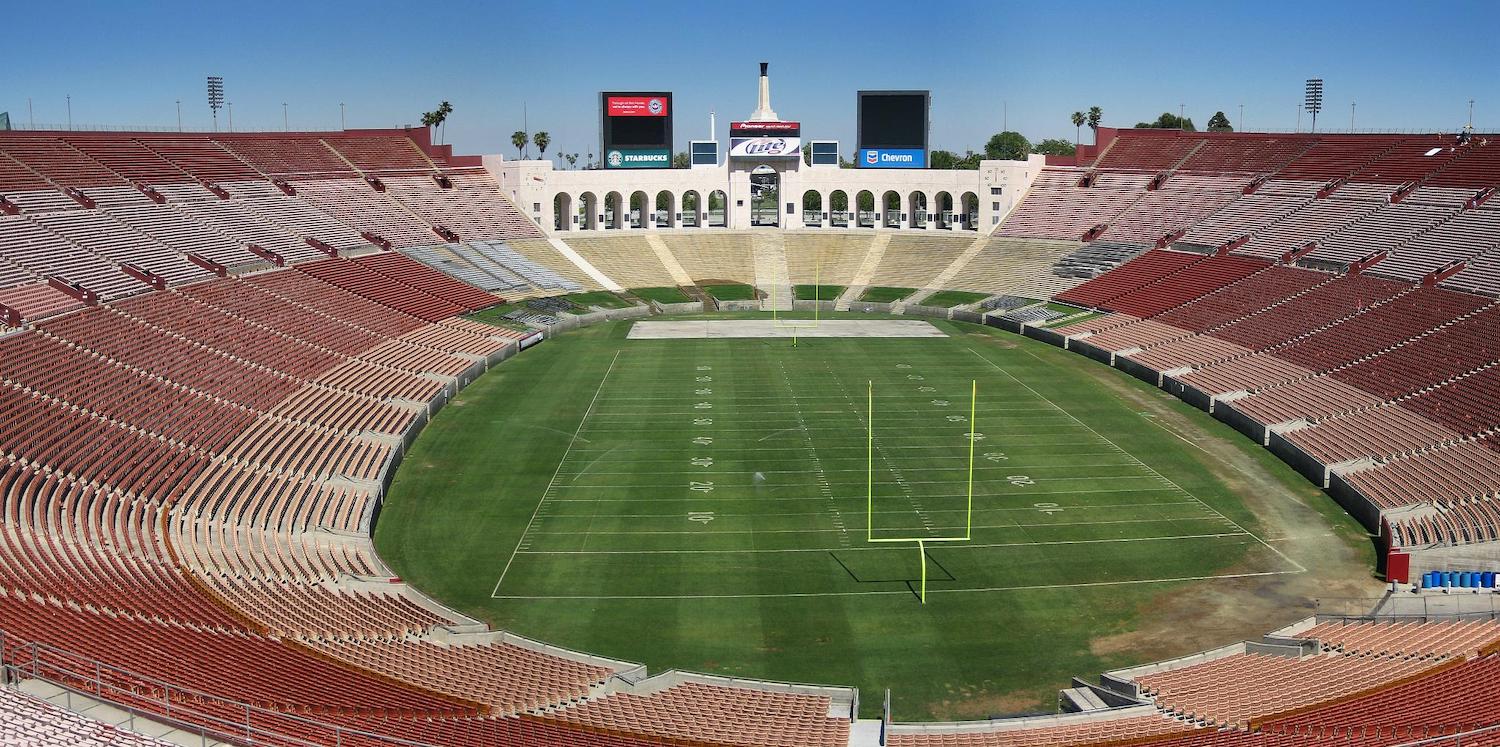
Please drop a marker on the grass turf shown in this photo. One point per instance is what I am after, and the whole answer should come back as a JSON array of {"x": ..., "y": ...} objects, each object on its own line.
[
  {"x": 885, "y": 294},
  {"x": 949, "y": 299},
  {"x": 730, "y": 292},
  {"x": 810, "y": 292},
  {"x": 701, "y": 504},
  {"x": 663, "y": 294},
  {"x": 602, "y": 299}
]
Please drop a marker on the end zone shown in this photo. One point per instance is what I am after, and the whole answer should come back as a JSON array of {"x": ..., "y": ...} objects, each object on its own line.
[{"x": 752, "y": 328}]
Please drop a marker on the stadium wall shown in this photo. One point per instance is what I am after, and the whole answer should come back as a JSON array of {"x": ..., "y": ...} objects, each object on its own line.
[{"x": 994, "y": 189}]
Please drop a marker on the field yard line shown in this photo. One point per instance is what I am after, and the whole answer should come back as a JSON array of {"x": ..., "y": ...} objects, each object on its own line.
[
  {"x": 861, "y": 448},
  {"x": 860, "y": 497},
  {"x": 676, "y": 514},
  {"x": 959, "y": 546},
  {"x": 977, "y": 468},
  {"x": 907, "y": 592},
  {"x": 1013, "y": 525},
  {"x": 903, "y": 483},
  {"x": 1300, "y": 568},
  {"x": 824, "y": 487},
  {"x": 550, "y": 483}
]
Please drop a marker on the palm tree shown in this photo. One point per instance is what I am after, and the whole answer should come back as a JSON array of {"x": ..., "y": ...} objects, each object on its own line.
[
  {"x": 438, "y": 118},
  {"x": 542, "y": 140},
  {"x": 572, "y": 159},
  {"x": 518, "y": 139},
  {"x": 1096, "y": 115},
  {"x": 1078, "y": 120}
]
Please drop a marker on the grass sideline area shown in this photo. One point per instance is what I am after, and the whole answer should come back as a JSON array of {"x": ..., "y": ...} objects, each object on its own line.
[
  {"x": 730, "y": 292},
  {"x": 810, "y": 292},
  {"x": 949, "y": 299},
  {"x": 661, "y": 294},
  {"x": 885, "y": 294},
  {"x": 496, "y": 315},
  {"x": 700, "y": 504},
  {"x": 601, "y": 299}
]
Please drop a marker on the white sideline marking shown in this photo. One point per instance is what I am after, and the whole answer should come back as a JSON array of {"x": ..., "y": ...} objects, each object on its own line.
[
  {"x": 905, "y": 592},
  {"x": 1152, "y": 470},
  {"x": 1013, "y": 525},
  {"x": 959, "y": 546},
  {"x": 550, "y": 483}
]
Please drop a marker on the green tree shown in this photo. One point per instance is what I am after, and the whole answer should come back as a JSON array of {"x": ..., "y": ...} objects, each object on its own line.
[
  {"x": 1096, "y": 116},
  {"x": 807, "y": 154},
  {"x": 681, "y": 160},
  {"x": 866, "y": 201},
  {"x": 943, "y": 159},
  {"x": 572, "y": 159},
  {"x": 1055, "y": 147},
  {"x": 1169, "y": 121},
  {"x": 437, "y": 118},
  {"x": 1007, "y": 146},
  {"x": 838, "y": 201},
  {"x": 1078, "y": 119},
  {"x": 519, "y": 139},
  {"x": 542, "y": 140},
  {"x": 1219, "y": 123}
]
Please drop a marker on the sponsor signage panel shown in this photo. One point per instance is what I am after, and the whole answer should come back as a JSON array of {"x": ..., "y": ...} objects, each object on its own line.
[
  {"x": 638, "y": 158},
  {"x": 765, "y": 147},
  {"x": 761, "y": 129},
  {"x": 636, "y": 106},
  {"x": 893, "y": 158}
]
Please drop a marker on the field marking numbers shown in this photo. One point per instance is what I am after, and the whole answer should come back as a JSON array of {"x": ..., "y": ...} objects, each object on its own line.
[
  {"x": 1300, "y": 568},
  {"x": 553, "y": 482}
]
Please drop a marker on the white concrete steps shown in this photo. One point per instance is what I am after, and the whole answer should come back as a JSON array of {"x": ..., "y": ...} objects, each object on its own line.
[
  {"x": 865, "y": 272},
  {"x": 679, "y": 275},
  {"x": 941, "y": 280},
  {"x": 771, "y": 276},
  {"x": 586, "y": 266}
]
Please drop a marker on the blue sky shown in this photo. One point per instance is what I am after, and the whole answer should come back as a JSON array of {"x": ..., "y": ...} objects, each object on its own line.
[{"x": 1407, "y": 65}]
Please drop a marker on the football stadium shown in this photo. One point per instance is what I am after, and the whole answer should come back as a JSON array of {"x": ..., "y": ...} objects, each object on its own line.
[{"x": 349, "y": 435}]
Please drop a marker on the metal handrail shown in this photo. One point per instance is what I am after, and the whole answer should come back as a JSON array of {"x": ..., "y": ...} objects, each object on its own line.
[{"x": 28, "y": 662}]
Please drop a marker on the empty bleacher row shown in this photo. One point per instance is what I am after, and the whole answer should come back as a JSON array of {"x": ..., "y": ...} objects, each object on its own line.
[{"x": 105, "y": 216}]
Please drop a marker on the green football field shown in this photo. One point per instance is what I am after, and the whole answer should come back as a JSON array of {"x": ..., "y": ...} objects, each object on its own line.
[{"x": 708, "y": 504}]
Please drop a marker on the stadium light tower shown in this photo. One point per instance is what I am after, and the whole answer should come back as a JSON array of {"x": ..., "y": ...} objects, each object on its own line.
[
  {"x": 215, "y": 97},
  {"x": 1312, "y": 99}
]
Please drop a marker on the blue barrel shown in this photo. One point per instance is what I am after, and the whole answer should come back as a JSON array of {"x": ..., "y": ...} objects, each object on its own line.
[
  {"x": 1453, "y": 577},
  {"x": 1488, "y": 579},
  {"x": 1446, "y": 579},
  {"x": 1430, "y": 580},
  {"x": 1466, "y": 580}
]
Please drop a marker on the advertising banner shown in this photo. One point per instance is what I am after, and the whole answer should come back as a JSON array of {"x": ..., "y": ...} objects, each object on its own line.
[
  {"x": 765, "y": 147},
  {"x": 762, "y": 129},
  {"x": 635, "y": 106},
  {"x": 638, "y": 158},
  {"x": 892, "y": 158}
]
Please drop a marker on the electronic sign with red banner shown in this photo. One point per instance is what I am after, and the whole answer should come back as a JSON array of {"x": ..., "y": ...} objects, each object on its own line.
[
  {"x": 637, "y": 129},
  {"x": 636, "y": 106}
]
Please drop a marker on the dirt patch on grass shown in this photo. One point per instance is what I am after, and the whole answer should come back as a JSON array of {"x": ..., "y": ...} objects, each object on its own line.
[
  {"x": 967, "y": 705},
  {"x": 1293, "y": 518}
]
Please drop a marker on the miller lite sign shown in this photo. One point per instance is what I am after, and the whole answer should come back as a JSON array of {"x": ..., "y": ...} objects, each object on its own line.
[{"x": 765, "y": 147}]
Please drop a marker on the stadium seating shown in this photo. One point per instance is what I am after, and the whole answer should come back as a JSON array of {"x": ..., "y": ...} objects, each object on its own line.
[{"x": 244, "y": 394}]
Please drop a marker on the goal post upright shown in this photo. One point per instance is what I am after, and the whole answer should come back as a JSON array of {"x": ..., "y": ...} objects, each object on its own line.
[{"x": 921, "y": 542}]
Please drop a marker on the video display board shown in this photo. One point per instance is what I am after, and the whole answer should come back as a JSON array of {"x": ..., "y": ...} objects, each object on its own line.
[
  {"x": 637, "y": 128},
  {"x": 893, "y": 128}
]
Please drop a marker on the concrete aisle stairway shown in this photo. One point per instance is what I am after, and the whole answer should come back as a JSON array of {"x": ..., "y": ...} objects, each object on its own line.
[
  {"x": 679, "y": 275},
  {"x": 866, "y": 271},
  {"x": 940, "y": 282},
  {"x": 586, "y": 266},
  {"x": 769, "y": 250}
]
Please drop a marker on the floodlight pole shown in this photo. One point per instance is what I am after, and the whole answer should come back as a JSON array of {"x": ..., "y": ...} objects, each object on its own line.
[
  {"x": 69, "y": 97},
  {"x": 341, "y": 116},
  {"x": 285, "y": 123},
  {"x": 179, "y": 115}
]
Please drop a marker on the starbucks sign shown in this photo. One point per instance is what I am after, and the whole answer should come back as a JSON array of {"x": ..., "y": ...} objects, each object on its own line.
[{"x": 638, "y": 158}]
